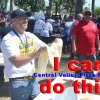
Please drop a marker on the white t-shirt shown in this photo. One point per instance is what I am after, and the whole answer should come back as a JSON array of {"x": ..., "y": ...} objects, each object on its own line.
[
  {"x": 39, "y": 26},
  {"x": 11, "y": 45},
  {"x": 47, "y": 28}
]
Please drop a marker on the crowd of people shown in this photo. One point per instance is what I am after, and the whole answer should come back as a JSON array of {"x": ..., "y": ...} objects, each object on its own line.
[
  {"x": 44, "y": 28},
  {"x": 23, "y": 39}
]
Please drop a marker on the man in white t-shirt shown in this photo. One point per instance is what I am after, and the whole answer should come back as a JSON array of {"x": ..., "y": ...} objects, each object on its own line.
[
  {"x": 19, "y": 50},
  {"x": 39, "y": 27},
  {"x": 47, "y": 32}
]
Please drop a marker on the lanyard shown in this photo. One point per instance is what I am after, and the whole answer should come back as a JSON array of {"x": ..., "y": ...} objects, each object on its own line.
[{"x": 24, "y": 45}]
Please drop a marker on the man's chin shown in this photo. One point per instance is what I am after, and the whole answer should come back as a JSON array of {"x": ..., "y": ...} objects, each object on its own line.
[{"x": 25, "y": 27}]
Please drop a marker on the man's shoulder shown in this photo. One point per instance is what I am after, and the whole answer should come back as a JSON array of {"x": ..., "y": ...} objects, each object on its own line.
[
  {"x": 9, "y": 35},
  {"x": 93, "y": 22},
  {"x": 79, "y": 23}
]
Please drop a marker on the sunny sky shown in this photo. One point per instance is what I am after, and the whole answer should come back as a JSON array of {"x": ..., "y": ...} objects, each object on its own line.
[{"x": 89, "y": 2}]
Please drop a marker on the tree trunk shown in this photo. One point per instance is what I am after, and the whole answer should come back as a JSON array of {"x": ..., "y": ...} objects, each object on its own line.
[
  {"x": 11, "y": 5},
  {"x": 48, "y": 9},
  {"x": 93, "y": 3},
  {"x": 50, "y": 6},
  {"x": 78, "y": 7},
  {"x": 56, "y": 8}
]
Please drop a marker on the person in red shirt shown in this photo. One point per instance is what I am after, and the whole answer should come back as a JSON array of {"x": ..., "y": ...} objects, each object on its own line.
[{"x": 85, "y": 38}]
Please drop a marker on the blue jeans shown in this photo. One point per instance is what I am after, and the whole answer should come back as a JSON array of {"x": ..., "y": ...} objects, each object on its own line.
[
  {"x": 83, "y": 57},
  {"x": 23, "y": 89},
  {"x": 92, "y": 58}
]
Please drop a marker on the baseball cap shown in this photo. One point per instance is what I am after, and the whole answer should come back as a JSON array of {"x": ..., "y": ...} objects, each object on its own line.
[
  {"x": 20, "y": 13},
  {"x": 88, "y": 13}
]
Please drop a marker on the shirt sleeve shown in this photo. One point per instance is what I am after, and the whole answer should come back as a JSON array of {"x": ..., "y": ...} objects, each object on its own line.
[
  {"x": 9, "y": 48},
  {"x": 38, "y": 43},
  {"x": 74, "y": 29}
]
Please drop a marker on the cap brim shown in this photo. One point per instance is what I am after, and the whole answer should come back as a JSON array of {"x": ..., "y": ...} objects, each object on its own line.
[{"x": 28, "y": 14}]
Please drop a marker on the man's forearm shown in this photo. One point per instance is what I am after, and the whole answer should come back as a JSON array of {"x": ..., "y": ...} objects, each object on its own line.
[
  {"x": 21, "y": 60},
  {"x": 73, "y": 43},
  {"x": 98, "y": 45},
  {"x": 97, "y": 42}
]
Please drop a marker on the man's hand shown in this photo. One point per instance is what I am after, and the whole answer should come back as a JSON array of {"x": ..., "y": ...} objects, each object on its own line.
[
  {"x": 98, "y": 50},
  {"x": 74, "y": 50}
]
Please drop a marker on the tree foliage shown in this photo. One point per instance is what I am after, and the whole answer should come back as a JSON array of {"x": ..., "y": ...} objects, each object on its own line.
[
  {"x": 67, "y": 5},
  {"x": 3, "y": 4},
  {"x": 97, "y": 11},
  {"x": 32, "y": 5},
  {"x": 36, "y": 5}
]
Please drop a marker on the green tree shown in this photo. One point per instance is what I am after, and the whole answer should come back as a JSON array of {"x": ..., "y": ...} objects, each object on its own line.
[
  {"x": 32, "y": 5},
  {"x": 57, "y": 4},
  {"x": 3, "y": 4},
  {"x": 69, "y": 6},
  {"x": 97, "y": 11}
]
